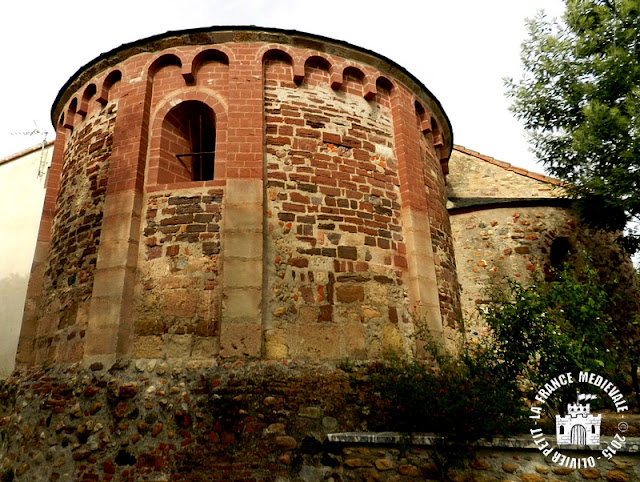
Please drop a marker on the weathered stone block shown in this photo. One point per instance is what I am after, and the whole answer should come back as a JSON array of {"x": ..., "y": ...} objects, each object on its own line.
[
  {"x": 242, "y": 304},
  {"x": 510, "y": 467},
  {"x": 239, "y": 339},
  {"x": 314, "y": 341},
  {"x": 147, "y": 347},
  {"x": 275, "y": 344},
  {"x": 307, "y": 314},
  {"x": 177, "y": 346},
  {"x": 243, "y": 217},
  {"x": 243, "y": 244},
  {"x": 409, "y": 470},
  {"x": 286, "y": 442},
  {"x": 349, "y": 293},
  {"x": 353, "y": 335},
  {"x": 310, "y": 412},
  {"x": 205, "y": 347},
  {"x": 128, "y": 390},
  {"x": 392, "y": 339},
  {"x": 590, "y": 474},
  {"x": 149, "y": 326},
  {"x": 617, "y": 476},
  {"x": 242, "y": 273},
  {"x": 384, "y": 464},
  {"x": 531, "y": 478},
  {"x": 181, "y": 303}
]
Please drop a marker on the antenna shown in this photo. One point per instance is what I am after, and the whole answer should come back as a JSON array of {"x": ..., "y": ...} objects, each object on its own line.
[{"x": 44, "y": 134}]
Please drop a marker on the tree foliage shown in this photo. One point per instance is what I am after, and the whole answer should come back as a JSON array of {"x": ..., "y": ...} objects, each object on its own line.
[
  {"x": 579, "y": 99},
  {"x": 545, "y": 328},
  {"x": 569, "y": 324}
]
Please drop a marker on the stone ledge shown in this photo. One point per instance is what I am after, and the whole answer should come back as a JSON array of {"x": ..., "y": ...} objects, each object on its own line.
[{"x": 630, "y": 445}]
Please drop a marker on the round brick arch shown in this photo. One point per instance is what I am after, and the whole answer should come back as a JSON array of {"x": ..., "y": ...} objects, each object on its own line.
[{"x": 154, "y": 167}]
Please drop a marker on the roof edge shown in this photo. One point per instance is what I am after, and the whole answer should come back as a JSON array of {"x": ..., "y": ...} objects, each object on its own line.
[
  {"x": 25, "y": 152},
  {"x": 474, "y": 205},
  {"x": 510, "y": 167}
]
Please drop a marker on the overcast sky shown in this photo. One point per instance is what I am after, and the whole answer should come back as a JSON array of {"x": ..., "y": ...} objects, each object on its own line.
[{"x": 460, "y": 49}]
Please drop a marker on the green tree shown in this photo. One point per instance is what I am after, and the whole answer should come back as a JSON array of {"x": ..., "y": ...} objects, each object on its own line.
[{"x": 579, "y": 99}]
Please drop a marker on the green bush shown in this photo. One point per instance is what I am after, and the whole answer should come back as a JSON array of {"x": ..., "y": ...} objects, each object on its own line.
[
  {"x": 546, "y": 328},
  {"x": 538, "y": 331},
  {"x": 461, "y": 398}
]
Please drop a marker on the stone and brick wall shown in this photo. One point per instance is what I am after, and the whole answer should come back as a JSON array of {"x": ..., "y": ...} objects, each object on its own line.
[
  {"x": 179, "y": 310},
  {"x": 71, "y": 262},
  {"x": 513, "y": 242},
  {"x": 329, "y": 169},
  {"x": 336, "y": 251},
  {"x": 508, "y": 222}
]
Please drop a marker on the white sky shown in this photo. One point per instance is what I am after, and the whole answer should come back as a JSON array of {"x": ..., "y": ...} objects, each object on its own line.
[{"x": 460, "y": 49}]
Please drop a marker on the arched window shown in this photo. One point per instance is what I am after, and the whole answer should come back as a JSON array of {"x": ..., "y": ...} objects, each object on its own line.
[
  {"x": 188, "y": 143},
  {"x": 561, "y": 429}
]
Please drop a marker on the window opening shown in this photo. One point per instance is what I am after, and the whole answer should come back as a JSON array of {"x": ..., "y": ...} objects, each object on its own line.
[
  {"x": 560, "y": 250},
  {"x": 198, "y": 128}
]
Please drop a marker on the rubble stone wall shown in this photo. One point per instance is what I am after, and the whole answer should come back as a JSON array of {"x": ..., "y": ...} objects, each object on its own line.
[
  {"x": 511, "y": 223},
  {"x": 200, "y": 420},
  {"x": 512, "y": 242}
]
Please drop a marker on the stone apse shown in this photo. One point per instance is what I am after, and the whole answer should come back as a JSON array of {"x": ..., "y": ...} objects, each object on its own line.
[{"x": 241, "y": 192}]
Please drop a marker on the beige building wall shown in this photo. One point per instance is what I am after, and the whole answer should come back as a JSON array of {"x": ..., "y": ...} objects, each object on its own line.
[{"x": 22, "y": 189}]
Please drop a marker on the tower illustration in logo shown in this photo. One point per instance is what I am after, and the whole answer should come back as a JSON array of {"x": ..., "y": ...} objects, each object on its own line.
[{"x": 578, "y": 427}]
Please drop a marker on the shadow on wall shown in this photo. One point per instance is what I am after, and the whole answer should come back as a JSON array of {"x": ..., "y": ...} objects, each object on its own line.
[{"x": 13, "y": 290}]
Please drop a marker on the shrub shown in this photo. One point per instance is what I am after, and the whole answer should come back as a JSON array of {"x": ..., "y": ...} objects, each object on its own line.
[
  {"x": 539, "y": 331},
  {"x": 543, "y": 329},
  {"x": 461, "y": 398}
]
